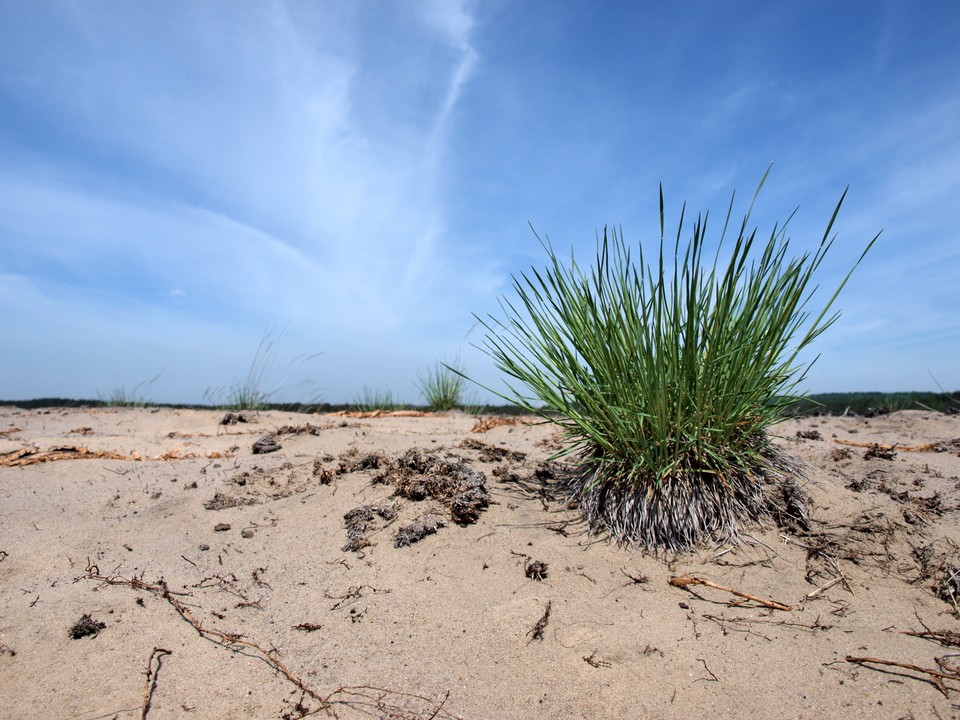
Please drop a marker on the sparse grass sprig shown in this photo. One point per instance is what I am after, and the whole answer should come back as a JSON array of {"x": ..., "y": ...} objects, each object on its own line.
[
  {"x": 442, "y": 385},
  {"x": 665, "y": 375},
  {"x": 121, "y": 397},
  {"x": 376, "y": 399},
  {"x": 251, "y": 393}
]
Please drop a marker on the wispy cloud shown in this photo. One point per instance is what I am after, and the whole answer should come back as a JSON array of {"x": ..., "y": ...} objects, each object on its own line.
[
  {"x": 180, "y": 179},
  {"x": 239, "y": 165}
]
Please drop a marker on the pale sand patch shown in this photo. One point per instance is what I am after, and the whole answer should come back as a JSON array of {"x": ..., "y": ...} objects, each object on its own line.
[{"x": 460, "y": 617}]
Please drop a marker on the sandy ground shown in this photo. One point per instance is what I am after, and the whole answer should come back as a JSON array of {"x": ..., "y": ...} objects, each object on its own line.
[{"x": 207, "y": 581}]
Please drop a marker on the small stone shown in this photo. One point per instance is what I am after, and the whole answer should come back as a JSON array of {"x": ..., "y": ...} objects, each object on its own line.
[{"x": 265, "y": 445}]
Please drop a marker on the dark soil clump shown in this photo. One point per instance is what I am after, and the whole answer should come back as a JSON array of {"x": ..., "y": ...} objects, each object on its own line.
[
  {"x": 352, "y": 461},
  {"x": 418, "y": 475},
  {"x": 490, "y": 453},
  {"x": 85, "y": 627},
  {"x": 879, "y": 453},
  {"x": 221, "y": 501},
  {"x": 265, "y": 445},
  {"x": 417, "y": 530},
  {"x": 361, "y": 521},
  {"x": 535, "y": 569}
]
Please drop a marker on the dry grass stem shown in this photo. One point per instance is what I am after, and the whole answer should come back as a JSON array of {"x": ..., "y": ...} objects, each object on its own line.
[
  {"x": 937, "y": 677},
  {"x": 688, "y": 580},
  {"x": 150, "y": 685}
]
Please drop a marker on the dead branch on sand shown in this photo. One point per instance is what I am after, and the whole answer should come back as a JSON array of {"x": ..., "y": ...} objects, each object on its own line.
[
  {"x": 942, "y": 446},
  {"x": 536, "y": 632},
  {"x": 33, "y": 455},
  {"x": 485, "y": 424},
  {"x": 936, "y": 676},
  {"x": 346, "y": 695},
  {"x": 687, "y": 580},
  {"x": 366, "y": 414},
  {"x": 150, "y": 685},
  {"x": 947, "y": 638}
]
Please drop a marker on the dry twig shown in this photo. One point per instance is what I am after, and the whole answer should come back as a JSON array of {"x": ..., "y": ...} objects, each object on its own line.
[
  {"x": 944, "y": 445},
  {"x": 947, "y": 638},
  {"x": 687, "y": 580},
  {"x": 351, "y": 695},
  {"x": 151, "y": 683},
  {"x": 33, "y": 455},
  {"x": 936, "y": 676},
  {"x": 536, "y": 632}
]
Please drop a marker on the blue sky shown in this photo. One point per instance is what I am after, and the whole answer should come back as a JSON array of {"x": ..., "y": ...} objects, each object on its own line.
[{"x": 178, "y": 179}]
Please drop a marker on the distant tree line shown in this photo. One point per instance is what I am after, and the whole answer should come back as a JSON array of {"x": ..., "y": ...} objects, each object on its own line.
[{"x": 853, "y": 403}]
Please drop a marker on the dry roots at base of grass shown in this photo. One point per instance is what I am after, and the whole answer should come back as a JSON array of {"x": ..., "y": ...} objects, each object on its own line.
[{"x": 693, "y": 506}]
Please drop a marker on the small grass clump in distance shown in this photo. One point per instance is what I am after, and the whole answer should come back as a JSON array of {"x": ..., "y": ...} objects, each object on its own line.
[
  {"x": 376, "y": 400},
  {"x": 250, "y": 393},
  {"x": 666, "y": 375},
  {"x": 442, "y": 385},
  {"x": 121, "y": 397}
]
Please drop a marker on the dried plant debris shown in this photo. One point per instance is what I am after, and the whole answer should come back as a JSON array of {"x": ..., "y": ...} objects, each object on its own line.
[
  {"x": 325, "y": 475},
  {"x": 879, "y": 452},
  {"x": 536, "y": 632},
  {"x": 942, "y": 567},
  {"x": 308, "y": 627},
  {"x": 947, "y": 586},
  {"x": 947, "y": 446},
  {"x": 858, "y": 485},
  {"x": 787, "y": 504},
  {"x": 361, "y": 521},
  {"x": 491, "y": 453},
  {"x": 86, "y": 626},
  {"x": 352, "y": 461},
  {"x": 918, "y": 510},
  {"x": 417, "y": 530},
  {"x": 419, "y": 475},
  {"x": 838, "y": 454},
  {"x": 866, "y": 541},
  {"x": 486, "y": 424},
  {"x": 535, "y": 569},
  {"x": 306, "y": 429},
  {"x": 266, "y": 444},
  {"x": 221, "y": 501}
]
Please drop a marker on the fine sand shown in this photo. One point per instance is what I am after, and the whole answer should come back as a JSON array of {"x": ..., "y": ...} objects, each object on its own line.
[{"x": 153, "y": 565}]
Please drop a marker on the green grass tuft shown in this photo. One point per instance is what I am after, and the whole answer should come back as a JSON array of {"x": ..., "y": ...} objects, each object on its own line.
[
  {"x": 665, "y": 375},
  {"x": 442, "y": 385}
]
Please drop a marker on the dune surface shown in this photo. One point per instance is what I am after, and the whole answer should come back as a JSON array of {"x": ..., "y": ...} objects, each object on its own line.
[{"x": 162, "y": 563}]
